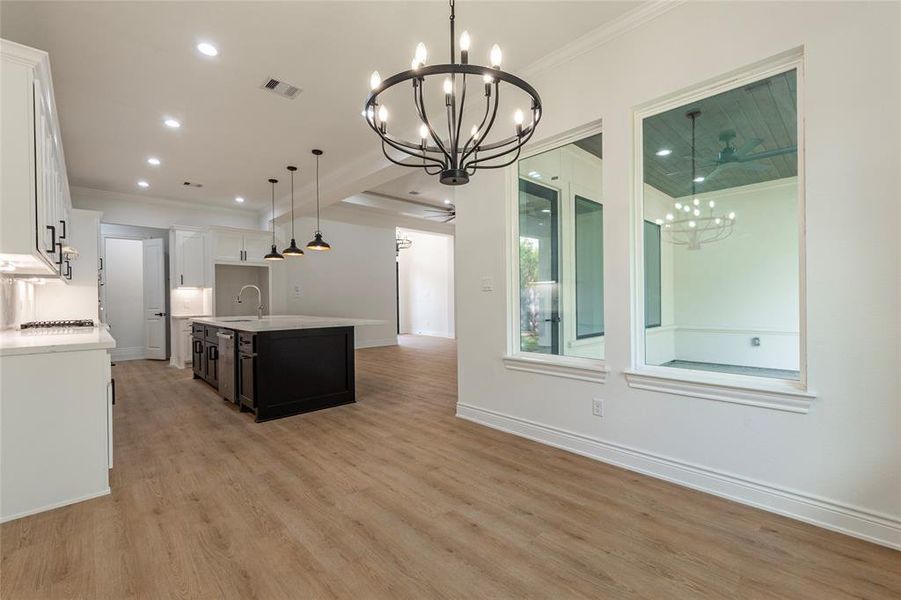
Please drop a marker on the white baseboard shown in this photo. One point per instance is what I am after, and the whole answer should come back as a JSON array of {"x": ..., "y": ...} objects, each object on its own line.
[
  {"x": 123, "y": 354},
  {"x": 392, "y": 341},
  {"x": 34, "y": 511},
  {"x": 867, "y": 525}
]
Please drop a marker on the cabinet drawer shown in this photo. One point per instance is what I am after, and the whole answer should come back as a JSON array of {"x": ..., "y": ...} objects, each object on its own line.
[
  {"x": 197, "y": 330},
  {"x": 211, "y": 333},
  {"x": 246, "y": 343}
]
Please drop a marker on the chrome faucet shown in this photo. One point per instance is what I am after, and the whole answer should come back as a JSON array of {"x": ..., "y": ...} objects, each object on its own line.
[{"x": 259, "y": 296}]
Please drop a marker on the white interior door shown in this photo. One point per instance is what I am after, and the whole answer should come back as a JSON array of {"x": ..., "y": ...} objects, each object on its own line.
[{"x": 154, "y": 300}]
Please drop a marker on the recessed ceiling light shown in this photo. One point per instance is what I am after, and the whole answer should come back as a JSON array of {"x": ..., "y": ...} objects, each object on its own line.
[
  {"x": 446, "y": 201},
  {"x": 170, "y": 122},
  {"x": 152, "y": 160},
  {"x": 239, "y": 199},
  {"x": 546, "y": 211},
  {"x": 207, "y": 48},
  {"x": 143, "y": 184},
  {"x": 698, "y": 179},
  {"x": 664, "y": 152}
]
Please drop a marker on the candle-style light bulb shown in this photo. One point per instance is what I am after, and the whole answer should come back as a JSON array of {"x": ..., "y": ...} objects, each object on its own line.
[
  {"x": 383, "y": 114},
  {"x": 375, "y": 80},
  {"x": 423, "y": 132},
  {"x": 517, "y": 119},
  {"x": 421, "y": 53},
  {"x": 465, "y": 41},
  {"x": 495, "y": 56},
  {"x": 448, "y": 86},
  {"x": 474, "y": 132}
]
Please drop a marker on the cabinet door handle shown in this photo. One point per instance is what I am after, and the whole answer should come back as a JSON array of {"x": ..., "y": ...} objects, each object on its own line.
[
  {"x": 212, "y": 353},
  {"x": 52, "y": 239},
  {"x": 59, "y": 261},
  {"x": 62, "y": 236},
  {"x": 101, "y": 263},
  {"x": 113, "y": 381},
  {"x": 68, "y": 271},
  {"x": 198, "y": 347},
  {"x": 182, "y": 279}
]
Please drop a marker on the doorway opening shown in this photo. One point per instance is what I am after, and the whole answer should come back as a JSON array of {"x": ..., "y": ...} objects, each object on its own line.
[
  {"x": 425, "y": 283},
  {"x": 134, "y": 299}
]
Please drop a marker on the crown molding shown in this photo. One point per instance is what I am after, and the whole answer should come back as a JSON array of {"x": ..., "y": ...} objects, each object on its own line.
[{"x": 636, "y": 17}]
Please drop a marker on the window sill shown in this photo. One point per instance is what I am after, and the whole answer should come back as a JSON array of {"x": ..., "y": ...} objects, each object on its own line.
[
  {"x": 570, "y": 367},
  {"x": 777, "y": 394}
]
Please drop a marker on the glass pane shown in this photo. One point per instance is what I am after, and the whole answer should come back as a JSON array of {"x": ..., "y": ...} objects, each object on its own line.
[
  {"x": 721, "y": 187},
  {"x": 561, "y": 251},
  {"x": 652, "y": 306},
  {"x": 589, "y": 268},
  {"x": 538, "y": 268}
]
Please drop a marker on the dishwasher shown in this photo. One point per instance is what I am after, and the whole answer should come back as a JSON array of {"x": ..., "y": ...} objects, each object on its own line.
[{"x": 227, "y": 365}]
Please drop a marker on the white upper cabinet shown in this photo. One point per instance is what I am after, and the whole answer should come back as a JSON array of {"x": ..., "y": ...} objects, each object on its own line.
[
  {"x": 239, "y": 246},
  {"x": 190, "y": 259},
  {"x": 228, "y": 246},
  {"x": 256, "y": 246},
  {"x": 34, "y": 188}
]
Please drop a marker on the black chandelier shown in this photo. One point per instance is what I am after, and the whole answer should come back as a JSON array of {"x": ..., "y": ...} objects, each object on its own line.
[{"x": 448, "y": 155}]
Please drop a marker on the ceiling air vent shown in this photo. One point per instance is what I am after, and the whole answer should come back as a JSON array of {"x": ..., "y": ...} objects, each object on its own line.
[{"x": 281, "y": 88}]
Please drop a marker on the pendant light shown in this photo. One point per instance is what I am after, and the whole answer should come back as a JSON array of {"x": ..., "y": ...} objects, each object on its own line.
[
  {"x": 292, "y": 250},
  {"x": 273, "y": 254},
  {"x": 318, "y": 243}
]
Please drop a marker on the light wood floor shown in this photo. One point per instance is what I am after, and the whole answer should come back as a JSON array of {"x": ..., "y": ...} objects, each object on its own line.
[{"x": 394, "y": 497}]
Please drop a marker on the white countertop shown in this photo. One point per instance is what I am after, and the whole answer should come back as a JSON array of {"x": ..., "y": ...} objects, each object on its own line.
[
  {"x": 284, "y": 322},
  {"x": 39, "y": 341}
]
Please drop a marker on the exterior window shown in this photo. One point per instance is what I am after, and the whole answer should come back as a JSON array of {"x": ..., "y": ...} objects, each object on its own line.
[
  {"x": 721, "y": 260},
  {"x": 561, "y": 251}
]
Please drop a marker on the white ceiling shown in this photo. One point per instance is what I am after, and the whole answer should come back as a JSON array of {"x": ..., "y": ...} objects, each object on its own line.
[
  {"x": 119, "y": 68},
  {"x": 429, "y": 189}
]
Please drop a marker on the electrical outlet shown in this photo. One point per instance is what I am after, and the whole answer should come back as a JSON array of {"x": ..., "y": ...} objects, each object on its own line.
[
  {"x": 487, "y": 284},
  {"x": 597, "y": 407},
  {"x": 296, "y": 291}
]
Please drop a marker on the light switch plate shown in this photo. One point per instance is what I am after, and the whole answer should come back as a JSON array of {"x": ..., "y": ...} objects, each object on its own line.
[{"x": 597, "y": 407}]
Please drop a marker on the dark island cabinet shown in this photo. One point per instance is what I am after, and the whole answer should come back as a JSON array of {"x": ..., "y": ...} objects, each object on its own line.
[
  {"x": 205, "y": 353},
  {"x": 282, "y": 373},
  {"x": 246, "y": 365}
]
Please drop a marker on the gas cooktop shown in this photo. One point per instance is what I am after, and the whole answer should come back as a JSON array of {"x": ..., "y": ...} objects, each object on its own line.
[{"x": 64, "y": 324}]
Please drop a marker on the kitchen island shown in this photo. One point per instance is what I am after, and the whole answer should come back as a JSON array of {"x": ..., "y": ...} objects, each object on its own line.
[{"x": 277, "y": 366}]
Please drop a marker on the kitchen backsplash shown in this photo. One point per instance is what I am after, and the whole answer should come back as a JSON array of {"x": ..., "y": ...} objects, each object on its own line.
[{"x": 16, "y": 302}]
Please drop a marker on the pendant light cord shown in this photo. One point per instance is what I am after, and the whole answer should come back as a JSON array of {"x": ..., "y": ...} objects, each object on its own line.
[
  {"x": 317, "y": 193},
  {"x": 273, "y": 211},
  {"x": 292, "y": 205}
]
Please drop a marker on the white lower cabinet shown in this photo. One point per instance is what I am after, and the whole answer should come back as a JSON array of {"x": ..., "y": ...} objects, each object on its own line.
[{"x": 55, "y": 430}]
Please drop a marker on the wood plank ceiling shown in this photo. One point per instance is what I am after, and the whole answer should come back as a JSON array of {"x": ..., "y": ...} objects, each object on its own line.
[{"x": 765, "y": 110}]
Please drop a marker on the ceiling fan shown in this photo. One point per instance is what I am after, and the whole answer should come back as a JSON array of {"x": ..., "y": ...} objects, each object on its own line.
[
  {"x": 443, "y": 214},
  {"x": 730, "y": 158}
]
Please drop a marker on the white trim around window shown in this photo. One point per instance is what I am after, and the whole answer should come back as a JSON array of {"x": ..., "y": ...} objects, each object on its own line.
[
  {"x": 778, "y": 394},
  {"x": 570, "y": 367}
]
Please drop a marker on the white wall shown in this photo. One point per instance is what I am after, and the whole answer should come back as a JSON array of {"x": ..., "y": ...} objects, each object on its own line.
[
  {"x": 354, "y": 279},
  {"x": 426, "y": 284},
  {"x": 125, "y": 296},
  {"x": 148, "y": 211},
  {"x": 838, "y": 465}
]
